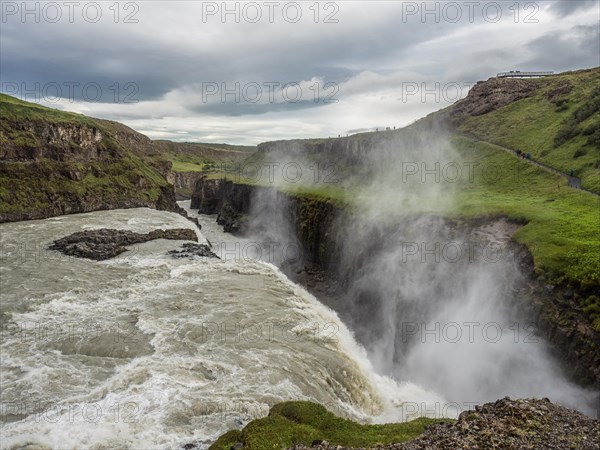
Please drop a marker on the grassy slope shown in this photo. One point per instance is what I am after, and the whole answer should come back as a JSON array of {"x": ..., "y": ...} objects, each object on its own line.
[
  {"x": 202, "y": 157},
  {"x": 291, "y": 423},
  {"x": 39, "y": 185},
  {"x": 15, "y": 109},
  {"x": 533, "y": 124},
  {"x": 562, "y": 223}
]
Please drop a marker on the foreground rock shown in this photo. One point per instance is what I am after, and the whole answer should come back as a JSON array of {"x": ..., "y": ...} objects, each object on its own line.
[
  {"x": 107, "y": 243},
  {"x": 505, "y": 424}
]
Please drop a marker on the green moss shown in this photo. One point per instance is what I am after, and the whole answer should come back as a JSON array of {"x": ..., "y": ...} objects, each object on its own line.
[
  {"x": 301, "y": 422},
  {"x": 591, "y": 306}
]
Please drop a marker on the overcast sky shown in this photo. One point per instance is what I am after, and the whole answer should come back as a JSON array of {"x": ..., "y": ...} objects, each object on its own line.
[{"x": 273, "y": 70}]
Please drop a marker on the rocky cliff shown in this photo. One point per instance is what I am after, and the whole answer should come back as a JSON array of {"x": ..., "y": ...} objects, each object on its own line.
[
  {"x": 348, "y": 153},
  {"x": 54, "y": 163},
  {"x": 329, "y": 263},
  {"x": 230, "y": 201},
  {"x": 183, "y": 182},
  {"x": 493, "y": 94}
]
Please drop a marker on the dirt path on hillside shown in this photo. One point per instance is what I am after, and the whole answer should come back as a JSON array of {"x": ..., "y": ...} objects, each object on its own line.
[{"x": 573, "y": 182}]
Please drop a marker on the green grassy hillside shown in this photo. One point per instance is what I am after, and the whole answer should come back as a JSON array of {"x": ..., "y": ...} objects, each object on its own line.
[
  {"x": 201, "y": 157},
  {"x": 559, "y": 124},
  {"x": 562, "y": 224}
]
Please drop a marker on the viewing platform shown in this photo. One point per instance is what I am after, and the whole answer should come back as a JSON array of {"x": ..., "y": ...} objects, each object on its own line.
[{"x": 519, "y": 74}]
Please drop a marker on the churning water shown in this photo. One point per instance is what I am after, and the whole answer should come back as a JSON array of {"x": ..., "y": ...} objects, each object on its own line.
[{"x": 149, "y": 351}]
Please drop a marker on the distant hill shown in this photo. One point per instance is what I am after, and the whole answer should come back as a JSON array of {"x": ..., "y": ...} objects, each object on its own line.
[{"x": 194, "y": 157}]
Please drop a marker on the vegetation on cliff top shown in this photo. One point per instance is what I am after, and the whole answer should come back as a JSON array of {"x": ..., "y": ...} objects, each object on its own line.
[
  {"x": 13, "y": 109},
  {"x": 201, "y": 157},
  {"x": 46, "y": 171},
  {"x": 301, "y": 422},
  {"x": 561, "y": 223}
]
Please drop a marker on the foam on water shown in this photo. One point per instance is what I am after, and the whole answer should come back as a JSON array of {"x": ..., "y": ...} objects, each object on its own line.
[{"x": 148, "y": 351}]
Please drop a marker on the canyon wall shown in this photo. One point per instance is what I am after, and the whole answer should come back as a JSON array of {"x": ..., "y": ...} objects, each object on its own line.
[
  {"x": 54, "y": 163},
  {"x": 322, "y": 229}
]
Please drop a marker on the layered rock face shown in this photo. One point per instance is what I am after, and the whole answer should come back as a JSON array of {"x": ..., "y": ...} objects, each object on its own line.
[
  {"x": 230, "y": 201},
  {"x": 54, "y": 163},
  {"x": 59, "y": 142}
]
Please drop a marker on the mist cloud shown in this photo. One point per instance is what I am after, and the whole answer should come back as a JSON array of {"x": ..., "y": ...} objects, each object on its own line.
[{"x": 434, "y": 302}]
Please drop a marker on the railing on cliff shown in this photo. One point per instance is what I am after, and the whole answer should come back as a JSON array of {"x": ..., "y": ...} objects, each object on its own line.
[{"x": 519, "y": 74}]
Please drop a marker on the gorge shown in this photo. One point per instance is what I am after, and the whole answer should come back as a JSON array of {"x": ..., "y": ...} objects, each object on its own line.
[{"x": 398, "y": 276}]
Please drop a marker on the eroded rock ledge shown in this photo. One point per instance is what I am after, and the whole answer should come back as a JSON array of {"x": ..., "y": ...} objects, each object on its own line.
[
  {"x": 504, "y": 424},
  {"x": 106, "y": 243}
]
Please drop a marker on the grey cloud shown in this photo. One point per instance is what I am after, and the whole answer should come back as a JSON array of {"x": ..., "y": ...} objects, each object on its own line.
[
  {"x": 565, "y": 8},
  {"x": 244, "y": 108},
  {"x": 578, "y": 49},
  {"x": 87, "y": 53},
  {"x": 171, "y": 52}
]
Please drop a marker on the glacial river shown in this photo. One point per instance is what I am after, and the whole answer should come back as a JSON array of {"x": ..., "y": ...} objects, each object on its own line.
[{"x": 148, "y": 351}]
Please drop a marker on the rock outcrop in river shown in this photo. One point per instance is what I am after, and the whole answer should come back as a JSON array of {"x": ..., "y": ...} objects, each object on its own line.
[{"x": 107, "y": 243}]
